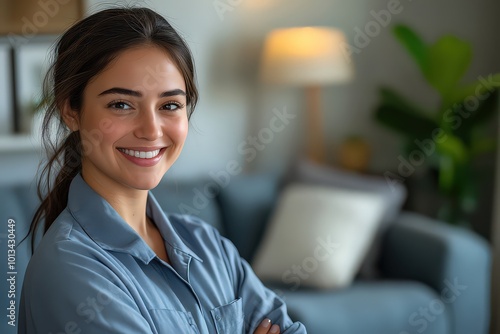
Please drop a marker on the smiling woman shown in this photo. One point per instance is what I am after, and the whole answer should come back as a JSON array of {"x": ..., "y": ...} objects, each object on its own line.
[
  {"x": 143, "y": 121},
  {"x": 123, "y": 89}
]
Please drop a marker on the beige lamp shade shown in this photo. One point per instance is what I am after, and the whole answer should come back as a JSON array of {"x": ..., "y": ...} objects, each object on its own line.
[{"x": 305, "y": 56}]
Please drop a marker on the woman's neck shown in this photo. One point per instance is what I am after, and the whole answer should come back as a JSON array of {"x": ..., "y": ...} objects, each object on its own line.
[{"x": 129, "y": 203}]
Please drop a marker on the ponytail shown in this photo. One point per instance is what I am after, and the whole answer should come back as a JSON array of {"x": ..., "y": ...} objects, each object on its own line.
[{"x": 65, "y": 163}]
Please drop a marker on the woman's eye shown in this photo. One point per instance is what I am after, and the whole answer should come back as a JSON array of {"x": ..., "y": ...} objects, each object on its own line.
[
  {"x": 172, "y": 106},
  {"x": 119, "y": 105}
]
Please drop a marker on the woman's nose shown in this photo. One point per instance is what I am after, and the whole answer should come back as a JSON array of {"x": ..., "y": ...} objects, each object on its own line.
[{"x": 148, "y": 126}]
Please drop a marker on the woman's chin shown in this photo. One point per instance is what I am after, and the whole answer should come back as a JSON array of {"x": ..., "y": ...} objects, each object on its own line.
[
  {"x": 149, "y": 185},
  {"x": 145, "y": 182}
]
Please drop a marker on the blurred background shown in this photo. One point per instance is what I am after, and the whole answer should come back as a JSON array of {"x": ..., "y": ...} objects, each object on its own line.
[
  {"x": 227, "y": 42},
  {"x": 349, "y": 119}
]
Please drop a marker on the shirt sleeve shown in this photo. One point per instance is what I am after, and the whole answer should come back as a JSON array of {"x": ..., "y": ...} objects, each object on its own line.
[
  {"x": 259, "y": 302},
  {"x": 68, "y": 291}
]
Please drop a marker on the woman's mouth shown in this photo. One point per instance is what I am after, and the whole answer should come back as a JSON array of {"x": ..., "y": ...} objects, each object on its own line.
[
  {"x": 140, "y": 154},
  {"x": 143, "y": 156}
]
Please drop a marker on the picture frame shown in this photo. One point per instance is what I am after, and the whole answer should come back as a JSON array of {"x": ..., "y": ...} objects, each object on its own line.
[
  {"x": 34, "y": 17},
  {"x": 5, "y": 86},
  {"x": 25, "y": 25}
]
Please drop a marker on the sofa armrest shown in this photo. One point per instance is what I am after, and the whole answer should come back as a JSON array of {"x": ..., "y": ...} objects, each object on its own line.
[{"x": 453, "y": 261}]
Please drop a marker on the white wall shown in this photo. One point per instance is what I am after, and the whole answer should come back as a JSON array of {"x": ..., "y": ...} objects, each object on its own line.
[{"x": 234, "y": 104}]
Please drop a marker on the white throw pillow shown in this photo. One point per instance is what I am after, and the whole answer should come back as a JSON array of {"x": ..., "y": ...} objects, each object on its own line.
[{"x": 318, "y": 236}]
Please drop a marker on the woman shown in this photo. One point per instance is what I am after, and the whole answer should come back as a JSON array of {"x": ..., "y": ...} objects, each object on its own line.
[{"x": 123, "y": 88}]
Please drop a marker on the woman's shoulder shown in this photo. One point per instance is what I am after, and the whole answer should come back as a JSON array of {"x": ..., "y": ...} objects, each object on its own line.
[
  {"x": 63, "y": 231},
  {"x": 64, "y": 243}
]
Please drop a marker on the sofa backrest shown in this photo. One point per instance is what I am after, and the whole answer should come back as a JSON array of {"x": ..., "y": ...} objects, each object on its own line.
[
  {"x": 246, "y": 205},
  {"x": 17, "y": 205},
  {"x": 196, "y": 198}
]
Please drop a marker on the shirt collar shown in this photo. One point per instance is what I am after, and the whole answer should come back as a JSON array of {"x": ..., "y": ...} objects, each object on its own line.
[{"x": 108, "y": 229}]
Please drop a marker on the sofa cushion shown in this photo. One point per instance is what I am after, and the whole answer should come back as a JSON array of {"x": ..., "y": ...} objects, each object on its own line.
[
  {"x": 318, "y": 236},
  {"x": 394, "y": 195},
  {"x": 370, "y": 307}
]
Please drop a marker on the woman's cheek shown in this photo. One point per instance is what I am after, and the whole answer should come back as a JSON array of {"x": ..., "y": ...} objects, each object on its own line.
[{"x": 180, "y": 130}]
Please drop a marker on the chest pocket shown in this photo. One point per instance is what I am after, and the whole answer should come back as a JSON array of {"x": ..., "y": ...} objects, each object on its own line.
[
  {"x": 229, "y": 319},
  {"x": 172, "y": 321}
]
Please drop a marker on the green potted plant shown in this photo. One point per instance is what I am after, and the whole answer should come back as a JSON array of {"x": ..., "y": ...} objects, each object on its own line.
[{"x": 456, "y": 128}]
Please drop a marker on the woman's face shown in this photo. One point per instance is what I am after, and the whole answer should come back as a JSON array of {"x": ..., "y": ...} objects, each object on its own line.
[{"x": 133, "y": 122}]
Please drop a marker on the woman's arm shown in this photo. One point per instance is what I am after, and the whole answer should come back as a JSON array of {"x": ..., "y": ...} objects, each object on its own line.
[{"x": 259, "y": 302}]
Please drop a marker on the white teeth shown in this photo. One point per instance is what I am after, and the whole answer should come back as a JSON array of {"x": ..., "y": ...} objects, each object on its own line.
[{"x": 140, "y": 154}]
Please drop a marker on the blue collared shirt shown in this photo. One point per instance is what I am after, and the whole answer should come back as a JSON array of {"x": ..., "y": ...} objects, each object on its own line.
[{"x": 92, "y": 273}]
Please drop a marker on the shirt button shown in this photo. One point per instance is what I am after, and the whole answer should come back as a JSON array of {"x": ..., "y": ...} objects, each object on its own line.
[{"x": 218, "y": 318}]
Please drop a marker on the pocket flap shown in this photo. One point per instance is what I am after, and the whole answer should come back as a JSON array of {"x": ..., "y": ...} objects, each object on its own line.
[{"x": 229, "y": 318}]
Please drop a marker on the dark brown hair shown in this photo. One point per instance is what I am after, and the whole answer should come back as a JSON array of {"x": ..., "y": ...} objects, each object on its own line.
[{"x": 81, "y": 53}]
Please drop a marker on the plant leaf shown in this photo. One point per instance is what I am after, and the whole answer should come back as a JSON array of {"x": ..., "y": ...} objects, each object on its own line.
[
  {"x": 414, "y": 45},
  {"x": 403, "y": 116},
  {"x": 449, "y": 58},
  {"x": 453, "y": 147},
  {"x": 391, "y": 97},
  {"x": 406, "y": 122},
  {"x": 482, "y": 86},
  {"x": 473, "y": 117}
]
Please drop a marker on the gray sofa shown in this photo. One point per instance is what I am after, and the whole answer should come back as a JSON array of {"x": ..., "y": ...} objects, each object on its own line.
[{"x": 433, "y": 278}]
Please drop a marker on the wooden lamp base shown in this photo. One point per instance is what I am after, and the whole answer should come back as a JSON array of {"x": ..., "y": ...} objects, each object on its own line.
[{"x": 315, "y": 134}]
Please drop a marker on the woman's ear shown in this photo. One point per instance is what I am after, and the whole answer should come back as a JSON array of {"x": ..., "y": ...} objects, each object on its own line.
[{"x": 70, "y": 117}]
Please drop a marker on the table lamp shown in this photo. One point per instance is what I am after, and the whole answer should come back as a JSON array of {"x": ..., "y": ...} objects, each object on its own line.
[{"x": 310, "y": 57}]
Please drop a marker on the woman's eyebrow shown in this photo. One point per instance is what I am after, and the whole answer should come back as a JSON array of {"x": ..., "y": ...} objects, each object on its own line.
[
  {"x": 125, "y": 91},
  {"x": 173, "y": 93}
]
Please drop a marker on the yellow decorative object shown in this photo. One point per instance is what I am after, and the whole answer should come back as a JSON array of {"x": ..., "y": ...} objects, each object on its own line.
[{"x": 354, "y": 154}]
